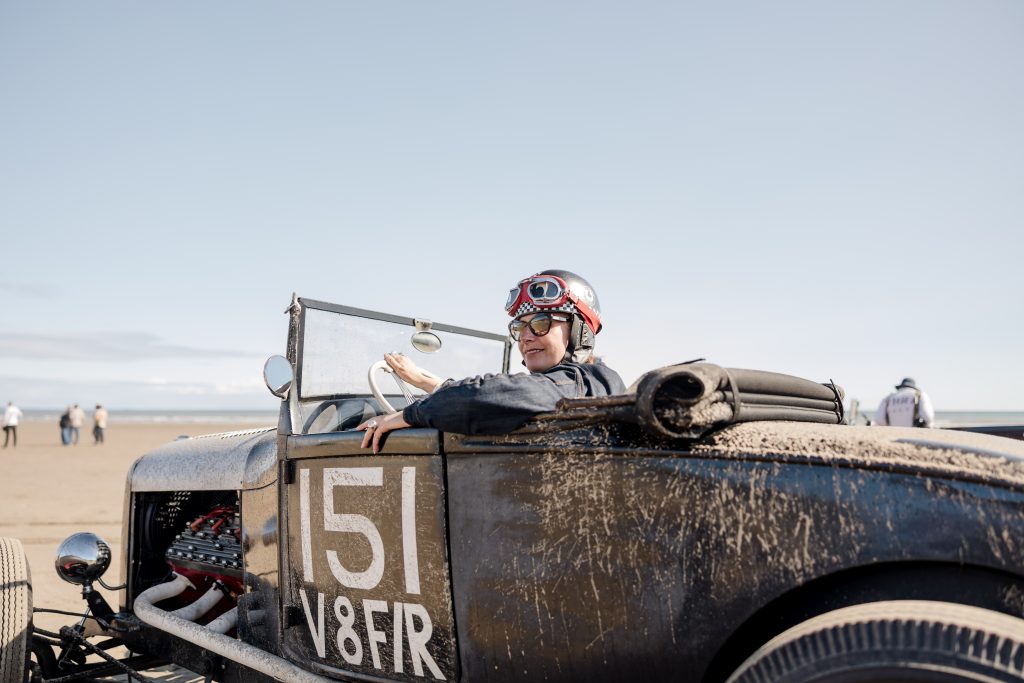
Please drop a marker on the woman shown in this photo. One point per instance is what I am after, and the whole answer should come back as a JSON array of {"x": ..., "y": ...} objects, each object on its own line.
[{"x": 556, "y": 315}]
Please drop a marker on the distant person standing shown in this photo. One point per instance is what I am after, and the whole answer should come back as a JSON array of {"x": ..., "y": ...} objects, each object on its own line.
[
  {"x": 99, "y": 418},
  {"x": 11, "y": 418},
  {"x": 77, "y": 417},
  {"x": 65, "y": 427},
  {"x": 908, "y": 406}
]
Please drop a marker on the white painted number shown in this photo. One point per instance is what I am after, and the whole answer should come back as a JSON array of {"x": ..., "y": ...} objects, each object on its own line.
[
  {"x": 412, "y": 565},
  {"x": 346, "y": 634},
  {"x": 307, "y": 545},
  {"x": 359, "y": 524},
  {"x": 353, "y": 476},
  {"x": 411, "y": 623}
]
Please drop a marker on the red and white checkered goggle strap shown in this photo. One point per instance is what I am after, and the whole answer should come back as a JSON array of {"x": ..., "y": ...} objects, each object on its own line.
[{"x": 558, "y": 298}]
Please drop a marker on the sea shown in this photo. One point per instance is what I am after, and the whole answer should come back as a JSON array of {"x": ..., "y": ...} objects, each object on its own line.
[
  {"x": 948, "y": 418},
  {"x": 241, "y": 416},
  {"x": 964, "y": 418}
]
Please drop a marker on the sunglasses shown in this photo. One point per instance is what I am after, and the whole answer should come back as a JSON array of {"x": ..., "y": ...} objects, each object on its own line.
[{"x": 539, "y": 325}]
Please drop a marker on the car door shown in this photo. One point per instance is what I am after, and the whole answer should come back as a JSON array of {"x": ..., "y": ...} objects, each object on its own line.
[{"x": 367, "y": 580}]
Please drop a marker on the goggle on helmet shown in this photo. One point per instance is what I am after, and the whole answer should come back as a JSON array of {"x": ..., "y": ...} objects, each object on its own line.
[{"x": 543, "y": 292}]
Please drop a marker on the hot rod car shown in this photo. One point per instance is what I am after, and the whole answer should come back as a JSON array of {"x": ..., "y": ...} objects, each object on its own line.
[{"x": 709, "y": 525}]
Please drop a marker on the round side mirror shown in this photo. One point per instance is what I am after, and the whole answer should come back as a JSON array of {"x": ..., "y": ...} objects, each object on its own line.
[
  {"x": 82, "y": 558},
  {"x": 278, "y": 374}
]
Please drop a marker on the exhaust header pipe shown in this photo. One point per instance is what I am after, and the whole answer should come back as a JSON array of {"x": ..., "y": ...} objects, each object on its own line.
[{"x": 211, "y": 637}]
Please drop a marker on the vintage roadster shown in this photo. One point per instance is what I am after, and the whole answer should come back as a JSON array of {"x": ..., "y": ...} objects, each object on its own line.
[{"x": 709, "y": 525}]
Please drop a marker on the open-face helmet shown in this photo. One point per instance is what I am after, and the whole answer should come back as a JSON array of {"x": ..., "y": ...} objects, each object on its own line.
[{"x": 564, "y": 291}]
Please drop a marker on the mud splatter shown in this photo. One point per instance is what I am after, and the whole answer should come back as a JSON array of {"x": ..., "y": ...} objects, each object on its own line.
[{"x": 939, "y": 452}]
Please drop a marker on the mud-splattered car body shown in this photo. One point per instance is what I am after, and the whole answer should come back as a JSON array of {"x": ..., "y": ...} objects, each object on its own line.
[
  {"x": 584, "y": 546},
  {"x": 575, "y": 556}
]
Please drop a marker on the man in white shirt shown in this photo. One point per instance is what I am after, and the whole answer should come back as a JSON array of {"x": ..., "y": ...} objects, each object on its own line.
[
  {"x": 77, "y": 416},
  {"x": 11, "y": 417},
  {"x": 908, "y": 406},
  {"x": 100, "y": 426}
]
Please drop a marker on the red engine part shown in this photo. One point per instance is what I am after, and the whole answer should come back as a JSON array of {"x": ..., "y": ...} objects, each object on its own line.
[{"x": 206, "y": 551}]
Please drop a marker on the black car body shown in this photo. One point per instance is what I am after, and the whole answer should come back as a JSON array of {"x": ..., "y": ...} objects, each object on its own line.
[{"x": 585, "y": 546}]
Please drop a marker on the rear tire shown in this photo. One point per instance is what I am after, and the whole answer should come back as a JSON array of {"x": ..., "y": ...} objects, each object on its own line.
[
  {"x": 899, "y": 640},
  {"x": 15, "y": 611}
]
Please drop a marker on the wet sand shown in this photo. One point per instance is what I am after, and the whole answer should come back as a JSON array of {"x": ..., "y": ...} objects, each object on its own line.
[{"x": 49, "y": 491}]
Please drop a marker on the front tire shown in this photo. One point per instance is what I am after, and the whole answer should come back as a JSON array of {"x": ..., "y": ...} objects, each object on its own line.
[
  {"x": 899, "y": 640},
  {"x": 15, "y": 611}
]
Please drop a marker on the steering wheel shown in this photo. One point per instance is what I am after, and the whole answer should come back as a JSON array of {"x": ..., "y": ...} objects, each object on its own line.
[{"x": 378, "y": 394}]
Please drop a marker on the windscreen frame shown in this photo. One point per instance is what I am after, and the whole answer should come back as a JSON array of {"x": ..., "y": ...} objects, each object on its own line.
[{"x": 312, "y": 304}]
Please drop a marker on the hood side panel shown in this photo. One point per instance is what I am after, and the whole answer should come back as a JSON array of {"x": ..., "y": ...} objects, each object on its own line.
[{"x": 216, "y": 462}]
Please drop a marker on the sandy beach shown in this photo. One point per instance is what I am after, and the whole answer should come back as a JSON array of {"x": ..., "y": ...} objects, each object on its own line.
[{"x": 49, "y": 491}]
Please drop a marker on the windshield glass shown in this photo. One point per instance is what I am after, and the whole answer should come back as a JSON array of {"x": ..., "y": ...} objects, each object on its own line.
[
  {"x": 338, "y": 350},
  {"x": 338, "y": 345}
]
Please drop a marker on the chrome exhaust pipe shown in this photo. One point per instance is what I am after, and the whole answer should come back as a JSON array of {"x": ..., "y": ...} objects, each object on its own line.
[
  {"x": 224, "y": 622},
  {"x": 162, "y": 591},
  {"x": 201, "y": 606},
  {"x": 218, "y": 643}
]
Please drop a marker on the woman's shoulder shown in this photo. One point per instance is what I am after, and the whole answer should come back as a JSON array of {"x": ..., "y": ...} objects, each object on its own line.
[{"x": 602, "y": 379}]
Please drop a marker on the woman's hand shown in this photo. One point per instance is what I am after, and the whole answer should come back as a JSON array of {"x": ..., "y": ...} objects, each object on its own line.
[
  {"x": 378, "y": 426},
  {"x": 409, "y": 372}
]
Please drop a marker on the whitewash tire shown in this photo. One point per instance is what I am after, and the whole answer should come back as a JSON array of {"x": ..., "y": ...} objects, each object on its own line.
[{"x": 15, "y": 611}]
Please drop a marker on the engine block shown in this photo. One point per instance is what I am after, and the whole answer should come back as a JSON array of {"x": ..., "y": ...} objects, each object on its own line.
[{"x": 210, "y": 546}]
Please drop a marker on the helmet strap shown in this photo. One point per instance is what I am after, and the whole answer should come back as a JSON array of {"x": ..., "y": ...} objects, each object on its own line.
[{"x": 581, "y": 341}]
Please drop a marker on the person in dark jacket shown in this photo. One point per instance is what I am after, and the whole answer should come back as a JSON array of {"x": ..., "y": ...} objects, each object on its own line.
[
  {"x": 555, "y": 317},
  {"x": 65, "y": 427}
]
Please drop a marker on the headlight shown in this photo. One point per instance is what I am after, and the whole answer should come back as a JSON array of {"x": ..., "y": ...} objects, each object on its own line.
[{"x": 82, "y": 558}]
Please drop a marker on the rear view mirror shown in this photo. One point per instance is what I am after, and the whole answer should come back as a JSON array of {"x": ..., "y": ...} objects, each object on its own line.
[
  {"x": 278, "y": 375},
  {"x": 423, "y": 340}
]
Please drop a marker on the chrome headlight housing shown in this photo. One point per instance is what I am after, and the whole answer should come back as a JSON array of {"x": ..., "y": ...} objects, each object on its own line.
[{"x": 82, "y": 558}]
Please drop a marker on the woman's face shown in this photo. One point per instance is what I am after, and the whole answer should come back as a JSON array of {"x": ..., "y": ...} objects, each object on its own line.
[{"x": 541, "y": 353}]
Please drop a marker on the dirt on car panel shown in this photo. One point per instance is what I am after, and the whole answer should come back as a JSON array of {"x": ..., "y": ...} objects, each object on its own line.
[
  {"x": 942, "y": 453},
  {"x": 643, "y": 541},
  {"x": 615, "y": 553},
  {"x": 597, "y": 535},
  {"x": 737, "y": 507},
  {"x": 940, "y": 458}
]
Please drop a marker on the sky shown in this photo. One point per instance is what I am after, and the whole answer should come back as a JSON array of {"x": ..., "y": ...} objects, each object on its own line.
[{"x": 832, "y": 190}]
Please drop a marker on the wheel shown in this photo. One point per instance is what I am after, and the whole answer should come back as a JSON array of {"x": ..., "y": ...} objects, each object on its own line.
[
  {"x": 15, "y": 611},
  {"x": 899, "y": 640}
]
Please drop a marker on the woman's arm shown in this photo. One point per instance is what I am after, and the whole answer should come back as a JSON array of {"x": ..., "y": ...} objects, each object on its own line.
[
  {"x": 411, "y": 373},
  {"x": 495, "y": 404},
  {"x": 490, "y": 404}
]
